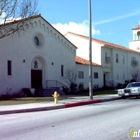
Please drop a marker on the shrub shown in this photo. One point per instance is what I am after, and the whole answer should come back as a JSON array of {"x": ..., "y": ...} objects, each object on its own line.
[
  {"x": 10, "y": 96},
  {"x": 73, "y": 87},
  {"x": 5, "y": 97},
  {"x": 119, "y": 85},
  {"x": 27, "y": 92},
  {"x": 132, "y": 80},
  {"x": 65, "y": 89},
  {"x": 81, "y": 87},
  {"x": 96, "y": 87}
]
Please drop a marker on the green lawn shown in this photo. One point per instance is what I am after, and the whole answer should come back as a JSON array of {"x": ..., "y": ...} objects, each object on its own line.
[
  {"x": 26, "y": 100},
  {"x": 99, "y": 93},
  {"x": 105, "y": 92}
]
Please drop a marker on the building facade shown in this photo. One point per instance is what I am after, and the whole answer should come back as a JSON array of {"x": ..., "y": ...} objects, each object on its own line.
[
  {"x": 82, "y": 70},
  {"x": 118, "y": 62},
  {"x": 40, "y": 56},
  {"x": 32, "y": 58}
]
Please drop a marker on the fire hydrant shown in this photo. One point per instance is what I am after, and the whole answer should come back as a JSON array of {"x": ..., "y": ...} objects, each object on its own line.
[{"x": 55, "y": 95}]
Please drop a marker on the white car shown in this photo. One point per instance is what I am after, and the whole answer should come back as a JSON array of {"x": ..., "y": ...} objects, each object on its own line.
[{"x": 132, "y": 89}]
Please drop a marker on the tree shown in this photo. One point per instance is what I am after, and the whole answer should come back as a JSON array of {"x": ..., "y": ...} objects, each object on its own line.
[
  {"x": 15, "y": 11},
  {"x": 70, "y": 76},
  {"x": 135, "y": 74}
]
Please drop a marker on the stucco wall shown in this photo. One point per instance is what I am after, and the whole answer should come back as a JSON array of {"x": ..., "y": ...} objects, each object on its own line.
[
  {"x": 117, "y": 72},
  {"x": 135, "y": 45},
  {"x": 21, "y": 50},
  {"x": 85, "y": 80},
  {"x": 83, "y": 48},
  {"x": 121, "y": 70}
]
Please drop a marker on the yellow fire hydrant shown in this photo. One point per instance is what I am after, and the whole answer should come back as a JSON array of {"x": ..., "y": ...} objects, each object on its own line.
[{"x": 55, "y": 95}]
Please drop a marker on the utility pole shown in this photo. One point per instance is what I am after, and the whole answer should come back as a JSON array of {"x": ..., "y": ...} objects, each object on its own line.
[{"x": 90, "y": 52}]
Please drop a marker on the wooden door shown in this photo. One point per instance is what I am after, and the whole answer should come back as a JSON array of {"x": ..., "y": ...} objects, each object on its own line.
[{"x": 36, "y": 78}]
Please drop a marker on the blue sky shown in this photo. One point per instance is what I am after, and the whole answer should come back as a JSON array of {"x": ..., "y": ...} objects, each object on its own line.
[{"x": 112, "y": 20}]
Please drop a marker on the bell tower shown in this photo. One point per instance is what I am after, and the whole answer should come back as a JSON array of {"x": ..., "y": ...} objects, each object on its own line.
[{"x": 135, "y": 43}]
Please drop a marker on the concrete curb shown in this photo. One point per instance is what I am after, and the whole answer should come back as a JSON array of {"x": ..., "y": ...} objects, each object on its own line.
[
  {"x": 67, "y": 105},
  {"x": 90, "y": 102},
  {"x": 32, "y": 109},
  {"x": 81, "y": 103},
  {"x": 111, "y": 99}
]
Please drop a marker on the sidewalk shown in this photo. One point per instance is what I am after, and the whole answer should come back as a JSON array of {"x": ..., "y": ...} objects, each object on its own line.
[{"x": 71, "y": 101}]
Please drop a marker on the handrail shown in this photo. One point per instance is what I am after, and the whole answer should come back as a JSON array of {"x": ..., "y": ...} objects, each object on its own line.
[{"x": 54, "y": 84}]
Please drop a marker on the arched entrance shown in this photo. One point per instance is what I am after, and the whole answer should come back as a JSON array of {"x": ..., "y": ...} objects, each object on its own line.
[
  {"x": 37, "y": 68},
  {"x": 138, "y": 34}
]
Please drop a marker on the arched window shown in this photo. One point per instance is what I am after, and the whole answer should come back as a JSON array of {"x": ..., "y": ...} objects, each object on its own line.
[
  {"x": 36, "y": 40},
  {"x": 138, "y": 34}
]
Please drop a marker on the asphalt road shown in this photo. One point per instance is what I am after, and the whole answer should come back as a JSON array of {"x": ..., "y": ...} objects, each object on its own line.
[{"x": 102, "y": 121}]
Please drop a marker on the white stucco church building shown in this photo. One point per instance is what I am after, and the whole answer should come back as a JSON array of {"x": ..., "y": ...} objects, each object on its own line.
[
  {"x": 39, "y": 57},
  {"x": 34, "y": 56}
]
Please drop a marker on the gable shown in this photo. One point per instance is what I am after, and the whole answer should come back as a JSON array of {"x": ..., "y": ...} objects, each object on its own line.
[{"x": 39, "y": 21}]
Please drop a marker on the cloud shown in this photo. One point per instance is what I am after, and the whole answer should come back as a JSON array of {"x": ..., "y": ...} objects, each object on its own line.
[
  {"x": 9, "y": 19},
  {"x": 137, "y": 12},
  {"x": 80, "y": 28},
  {"x": 2, "y": 17},
  {"x": 83, "y": 28}
]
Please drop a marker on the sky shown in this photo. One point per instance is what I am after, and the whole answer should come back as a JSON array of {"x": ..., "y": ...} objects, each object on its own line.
[{"x": 112, "y": 20}]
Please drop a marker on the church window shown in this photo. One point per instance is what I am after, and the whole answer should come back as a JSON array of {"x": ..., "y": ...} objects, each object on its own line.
[
  {"x": 80, "y": 74},
  {"x": 9, "y": 67},
  {"x": 36, "y": 40},
  {"x": 117, "y": 58},
  {"x": 62, "y": 70},
  {"x": 95, "y": 75}
]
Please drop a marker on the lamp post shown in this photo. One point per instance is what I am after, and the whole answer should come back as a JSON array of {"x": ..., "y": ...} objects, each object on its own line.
[{"x": 90, "y": 52}]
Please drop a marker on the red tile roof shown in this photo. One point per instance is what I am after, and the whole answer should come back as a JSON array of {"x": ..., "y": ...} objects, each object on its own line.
[
  {"x": 80, "y": 60},
  {"x": 104, "y": 43},
  {"x": 19, "y": 20},
  {"x": 138, "y": 27}
]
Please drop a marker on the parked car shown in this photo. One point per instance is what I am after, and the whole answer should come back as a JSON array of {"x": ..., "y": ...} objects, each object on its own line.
[{"x": 132, "y": 89}]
